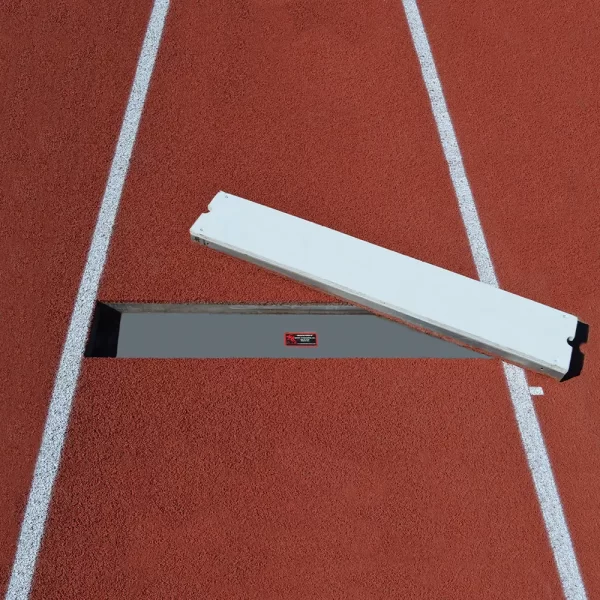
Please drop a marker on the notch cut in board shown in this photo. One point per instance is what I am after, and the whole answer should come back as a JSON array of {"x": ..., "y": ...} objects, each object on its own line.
[{"x": 440, "y": 302}]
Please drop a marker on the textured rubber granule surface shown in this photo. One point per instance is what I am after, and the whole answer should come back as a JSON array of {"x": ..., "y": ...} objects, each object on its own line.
[
  {"x": 317, "y": 110},
  {"x": 267, "y": 478},
  {"x": 328, "y": 479},
  {"x": 64, "y": 90},
  {"x": 520, "y": 79}
]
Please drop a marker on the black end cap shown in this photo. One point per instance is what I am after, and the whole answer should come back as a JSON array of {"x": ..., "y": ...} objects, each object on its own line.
[{"x": 577, "y": 357}]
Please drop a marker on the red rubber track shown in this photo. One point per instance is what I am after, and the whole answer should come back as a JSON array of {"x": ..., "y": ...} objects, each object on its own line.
[
  {"x": 328, "y": 479},
  {"x": 324, "y": 479},
  {"x": 317, "y": 109},
  {"x": 520, "y": 82},
  {"x": 66, "y": 75}
]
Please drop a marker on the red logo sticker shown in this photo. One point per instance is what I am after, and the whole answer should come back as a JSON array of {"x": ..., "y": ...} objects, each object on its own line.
[{"x": 300, "y": 339}]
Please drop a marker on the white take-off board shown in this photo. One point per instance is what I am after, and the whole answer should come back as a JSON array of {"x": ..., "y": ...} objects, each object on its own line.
[{"x": 446, "y": 304}]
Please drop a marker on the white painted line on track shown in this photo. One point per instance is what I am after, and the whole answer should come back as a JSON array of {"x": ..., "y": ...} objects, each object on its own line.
[
  {"x": 531, "y": 434},
  {"x": 536, "y": 391},
  {"x": 65, "y": 384}
]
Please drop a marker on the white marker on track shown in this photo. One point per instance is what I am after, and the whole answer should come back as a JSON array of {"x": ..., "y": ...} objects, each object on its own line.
[
  {"x": 529, "y": 428},
  {"x": 65, "y": 384}
]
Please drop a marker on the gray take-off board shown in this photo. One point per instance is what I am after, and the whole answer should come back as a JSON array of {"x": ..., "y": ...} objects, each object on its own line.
[{"x": 339, "y": 334}]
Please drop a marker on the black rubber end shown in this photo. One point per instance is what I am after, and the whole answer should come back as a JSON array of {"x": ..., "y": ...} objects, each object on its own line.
[
  {"x": 104, "y": 332},
  {"x": 577, "y": 357}
]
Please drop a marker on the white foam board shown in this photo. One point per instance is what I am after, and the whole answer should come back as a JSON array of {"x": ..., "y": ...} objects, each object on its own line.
[{"x": 443, "y": 303}]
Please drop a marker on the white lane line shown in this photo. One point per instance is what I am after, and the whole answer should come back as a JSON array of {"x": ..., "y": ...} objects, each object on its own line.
[
  {"x": 531, "y": 435},
  {"x": 536, "y": 391},
  {"x": 48, "y": 460}
]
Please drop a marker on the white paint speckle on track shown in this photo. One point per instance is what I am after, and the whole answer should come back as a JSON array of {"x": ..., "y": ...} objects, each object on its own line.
[
  {"x": 529, "y": 428},
  {"x": 65, "y": 384}
]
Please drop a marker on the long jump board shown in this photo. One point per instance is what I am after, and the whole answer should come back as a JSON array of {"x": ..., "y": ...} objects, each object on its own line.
[{"x": 443, "y": 303}]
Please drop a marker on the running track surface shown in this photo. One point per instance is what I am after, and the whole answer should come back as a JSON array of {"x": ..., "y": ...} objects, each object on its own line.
[{"x": 285, "y": 479}]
